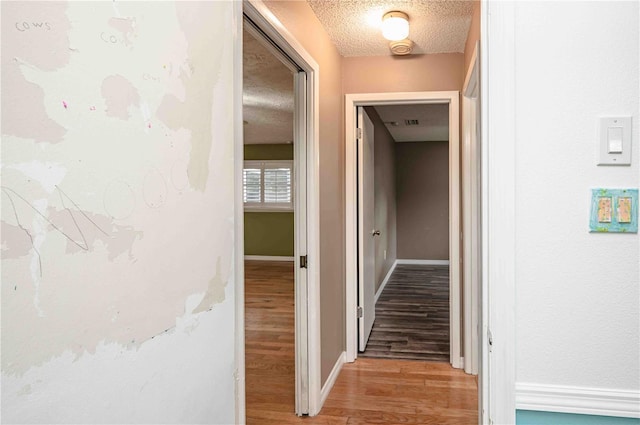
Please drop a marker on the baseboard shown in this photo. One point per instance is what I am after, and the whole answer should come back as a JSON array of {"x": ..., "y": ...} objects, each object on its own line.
[
  {"x": 267, "y": 258},
  {"x": 331, "y": 380},
  {"x": 581, "y": 400},
  {"x": 384, "y": 282},
  {"x": 424, "y": 262}
]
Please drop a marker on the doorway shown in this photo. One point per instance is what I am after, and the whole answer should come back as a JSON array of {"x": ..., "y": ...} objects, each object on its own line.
[
  {"x": 354, "y": 309},
  {"x": 269, "y": 230},
  {"x": 302, "y": 176},
  {"x": 405, "y": 152}
]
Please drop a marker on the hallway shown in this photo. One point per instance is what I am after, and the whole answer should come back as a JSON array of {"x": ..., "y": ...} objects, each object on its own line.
[
  {"x": 369, "y": 391},
  {"x": 412, "y": 315}
]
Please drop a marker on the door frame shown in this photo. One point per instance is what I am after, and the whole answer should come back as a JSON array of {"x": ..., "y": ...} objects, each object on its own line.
[
  {"x": 307, "y": 298},
  {"x": 498, "y": 129},
  {"x": 472, "y": 252},
  {"x": 352, "y": 101}
]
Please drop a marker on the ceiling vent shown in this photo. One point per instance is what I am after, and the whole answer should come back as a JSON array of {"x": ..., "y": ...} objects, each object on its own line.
[
  {"x": 402, "y": 47},
  {"x": 411, "y": 122}
]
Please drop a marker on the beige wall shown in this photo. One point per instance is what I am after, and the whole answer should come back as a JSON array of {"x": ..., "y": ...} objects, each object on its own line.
[
  {"x": 299, "y": 19},
  {"x": 376, "y": 74},
  {"x": 473, "y": 36},
  {"x": 422, "y": 194},
  {"x": 384, "y": 196}
]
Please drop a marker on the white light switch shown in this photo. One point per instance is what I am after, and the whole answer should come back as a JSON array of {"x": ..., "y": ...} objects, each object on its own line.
[{"x": 614, "y": 141}]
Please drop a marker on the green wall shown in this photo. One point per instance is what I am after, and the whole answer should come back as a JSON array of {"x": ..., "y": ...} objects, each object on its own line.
[
  {"x": 268, "y": 233},
  {"x": 256, "y": 152},
  {"x": 530, "y": 417}
]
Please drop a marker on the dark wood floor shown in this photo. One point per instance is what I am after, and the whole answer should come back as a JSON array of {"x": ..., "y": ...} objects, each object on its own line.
[
  {"x": 412, "y": 315},
  {"x": 369, "y": 391}
]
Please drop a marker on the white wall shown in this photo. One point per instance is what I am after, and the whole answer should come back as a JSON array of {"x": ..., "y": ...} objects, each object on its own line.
[
  {"x": 118, "y": 212},
  {"x": 578, "y": 314}
]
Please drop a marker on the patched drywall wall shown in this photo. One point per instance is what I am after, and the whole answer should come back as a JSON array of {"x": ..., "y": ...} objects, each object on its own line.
[
  {"x": 577, "y": 308},
  {"x": 117, "y": 212}
]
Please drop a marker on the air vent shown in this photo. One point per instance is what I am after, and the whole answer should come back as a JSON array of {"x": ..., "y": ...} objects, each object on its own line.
[
  {"x": 411, "y": 122},
  {"x": 402, "y": 47}
]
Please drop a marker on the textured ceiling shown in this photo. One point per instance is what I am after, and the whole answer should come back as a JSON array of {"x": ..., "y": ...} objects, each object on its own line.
[
  {"x": 434, "y": 26},
  {"x": 433, "y": 122},
  {"x": 267, "y": 97}
]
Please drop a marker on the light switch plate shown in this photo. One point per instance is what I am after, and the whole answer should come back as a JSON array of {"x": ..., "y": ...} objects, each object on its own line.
[
  {"x": 614, "y": 141},
  {"x": 614, "y": 211}
]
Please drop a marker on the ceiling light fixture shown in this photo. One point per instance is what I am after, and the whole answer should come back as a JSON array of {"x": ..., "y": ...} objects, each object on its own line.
[
  {"x": 395, "y": 26},
  {"x": 402, "y": 47}
]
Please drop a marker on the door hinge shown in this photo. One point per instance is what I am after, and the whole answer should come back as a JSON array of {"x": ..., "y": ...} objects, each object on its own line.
[
  {"x": 490, "y": 340},
  {"x": 360, "y": 314},
  {"x": 303, "y": 261},
  {"x": 358, "y": 133}
]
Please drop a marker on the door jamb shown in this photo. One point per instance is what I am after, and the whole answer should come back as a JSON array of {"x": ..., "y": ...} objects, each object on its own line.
[
  {"x": 498, "y": 128},
  {"x": 351, "y": 235},
  {"x": 471, "y": 224},
  {"x": 307, "y": 303}
]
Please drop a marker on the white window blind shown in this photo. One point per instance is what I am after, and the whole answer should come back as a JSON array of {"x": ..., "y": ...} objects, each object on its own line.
[
  {"x": 268, "y": 185},
  {"x": 252, "y": 185}
]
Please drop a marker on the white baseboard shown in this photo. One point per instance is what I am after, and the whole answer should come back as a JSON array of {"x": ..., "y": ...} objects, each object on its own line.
[
  {"x": 267, "y": 258},
  {"x": 424, "y": 262},
  {"x": 385, "y": 281},
  {"x": 331, "y": 380},
  {"x": 580, "y": 400}
]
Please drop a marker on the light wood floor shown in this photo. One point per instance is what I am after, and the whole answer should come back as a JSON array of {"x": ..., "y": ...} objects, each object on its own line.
[{"x": 369, "y": 391}]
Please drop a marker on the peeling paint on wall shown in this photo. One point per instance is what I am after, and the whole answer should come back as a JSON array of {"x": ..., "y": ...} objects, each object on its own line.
[
  {"x": 38, "y": 38},
  {"x": 117, "y": 191},
  {"x": 215, "y": 292},
  {"x": 119, "y": 95},
  {"x": 199, "y": 75}
]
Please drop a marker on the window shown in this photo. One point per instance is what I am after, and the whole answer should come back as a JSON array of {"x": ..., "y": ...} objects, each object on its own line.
[{"x": 268, "y": 185}]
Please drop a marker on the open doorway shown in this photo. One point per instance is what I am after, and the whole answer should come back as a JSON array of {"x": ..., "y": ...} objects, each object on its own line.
[
  {"x": 465, "y": 300},
  {"x": 441, "y": 270},
  {"x": 279, "y": 183},
  {"x": 269, "y": 226},
  {"x": 360, "y": 303},
  {"x": 405, "y": 152}
]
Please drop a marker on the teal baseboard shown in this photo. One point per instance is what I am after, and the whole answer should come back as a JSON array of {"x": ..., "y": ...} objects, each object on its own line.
[{"x": 530, "y": 417}]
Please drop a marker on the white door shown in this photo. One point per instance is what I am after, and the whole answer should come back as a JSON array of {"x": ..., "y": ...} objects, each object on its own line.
[
  {"x": 366, "y": 230},
  {"x": 300, "y": 246}
]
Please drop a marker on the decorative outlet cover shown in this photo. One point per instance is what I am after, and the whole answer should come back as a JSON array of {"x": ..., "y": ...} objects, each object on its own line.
[{"x": 614, "y": 211}]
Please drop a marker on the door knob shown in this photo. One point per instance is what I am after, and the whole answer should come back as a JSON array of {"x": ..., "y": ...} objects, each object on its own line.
[{"x": 375, "y": 233}]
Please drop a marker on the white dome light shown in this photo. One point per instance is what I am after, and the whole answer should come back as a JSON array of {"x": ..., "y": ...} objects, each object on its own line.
[{"x": 395, "y": 26}]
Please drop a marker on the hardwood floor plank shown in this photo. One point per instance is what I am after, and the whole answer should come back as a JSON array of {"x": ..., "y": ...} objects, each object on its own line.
[{"x": 369, "y": 391}]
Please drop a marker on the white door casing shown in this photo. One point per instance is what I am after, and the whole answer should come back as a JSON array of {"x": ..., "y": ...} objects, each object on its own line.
[
  {"x": 497, "y": 97},
  {"x": 471, "y": 213},
  {"x": 352, "y": 101},
  {"x": 366, "y": 231}
]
